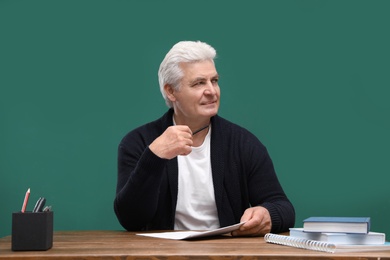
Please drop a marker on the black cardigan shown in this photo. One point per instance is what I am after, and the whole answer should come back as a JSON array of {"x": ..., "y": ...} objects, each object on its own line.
[{"x": 243, "y": 175}]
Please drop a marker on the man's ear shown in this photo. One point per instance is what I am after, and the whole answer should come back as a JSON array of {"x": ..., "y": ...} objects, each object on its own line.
[{"x": 169, "y": 92}]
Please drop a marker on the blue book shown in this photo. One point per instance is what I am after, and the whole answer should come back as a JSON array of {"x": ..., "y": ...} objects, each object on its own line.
[{"x": 337, "y": 224}]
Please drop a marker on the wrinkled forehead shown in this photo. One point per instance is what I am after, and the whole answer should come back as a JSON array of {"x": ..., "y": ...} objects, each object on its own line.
[{"x": 198, "y": 69}]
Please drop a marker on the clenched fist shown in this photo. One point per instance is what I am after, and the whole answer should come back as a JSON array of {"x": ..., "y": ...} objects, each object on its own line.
[{"x": 176, "y": 140}]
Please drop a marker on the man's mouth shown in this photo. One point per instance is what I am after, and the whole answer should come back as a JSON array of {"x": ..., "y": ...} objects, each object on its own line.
[{"x": 209, "y": 102}]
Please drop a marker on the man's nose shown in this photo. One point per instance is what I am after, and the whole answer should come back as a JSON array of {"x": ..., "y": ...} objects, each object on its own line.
[{"x": 210, "y": 88}]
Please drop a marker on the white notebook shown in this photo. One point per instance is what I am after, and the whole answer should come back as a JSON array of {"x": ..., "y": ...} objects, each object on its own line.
[{"x": 181, "y": 235}]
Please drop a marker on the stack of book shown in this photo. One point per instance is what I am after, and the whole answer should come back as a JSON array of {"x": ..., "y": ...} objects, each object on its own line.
[
  {"x": 333, "y": 234},
  {"x": 339, "y": 230}
]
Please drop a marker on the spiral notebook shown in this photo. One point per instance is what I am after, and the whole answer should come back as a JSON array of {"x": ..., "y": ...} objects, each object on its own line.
[{"x": 322, "y": 246}]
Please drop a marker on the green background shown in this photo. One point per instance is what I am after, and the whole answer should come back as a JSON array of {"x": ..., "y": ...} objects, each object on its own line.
[{"x": 309, "y": 78}]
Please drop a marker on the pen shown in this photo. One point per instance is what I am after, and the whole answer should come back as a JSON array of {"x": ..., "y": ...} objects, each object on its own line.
[
  {"x": 201, "y": 129},
  {"x": 25, "y": 201},
  {"x": 47, "y": 209},
  {"x": 39, "y": 205}
]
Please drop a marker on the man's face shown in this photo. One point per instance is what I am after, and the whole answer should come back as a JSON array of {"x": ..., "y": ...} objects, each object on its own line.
[{"x": 199, "y": 93}]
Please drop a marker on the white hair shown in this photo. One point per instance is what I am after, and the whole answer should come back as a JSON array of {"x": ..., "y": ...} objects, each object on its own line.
[{"x": 184, "y": 51}]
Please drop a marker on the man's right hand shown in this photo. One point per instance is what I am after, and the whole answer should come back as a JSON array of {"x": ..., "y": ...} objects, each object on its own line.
[{"x": 176, "y": 140}]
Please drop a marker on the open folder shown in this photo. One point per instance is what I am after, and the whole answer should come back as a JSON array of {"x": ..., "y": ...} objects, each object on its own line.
[{"x": 181, "y": 235}]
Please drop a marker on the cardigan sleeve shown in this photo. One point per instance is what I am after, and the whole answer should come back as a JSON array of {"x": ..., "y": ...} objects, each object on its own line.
[
  {"x": 265, "y": 190},
  {"x": 259, "y": 185},
  {"x": 139, "y": 179}
]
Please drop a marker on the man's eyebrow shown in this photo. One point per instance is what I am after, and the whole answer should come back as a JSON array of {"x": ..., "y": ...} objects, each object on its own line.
[
  {"x": 197, "y": 80},
  {"x": 216, "y": 76},
  {"x": 205, "y": 78}
]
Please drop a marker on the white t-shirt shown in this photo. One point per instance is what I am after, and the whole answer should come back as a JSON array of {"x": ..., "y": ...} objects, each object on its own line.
[{"x": 196, "y": 208}]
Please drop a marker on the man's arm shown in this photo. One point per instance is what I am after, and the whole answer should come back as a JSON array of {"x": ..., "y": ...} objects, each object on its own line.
[
  {"x": 138, "y": 187},
  {"x": 140, "y": 172},
  {"x": 271, "y": 210}
]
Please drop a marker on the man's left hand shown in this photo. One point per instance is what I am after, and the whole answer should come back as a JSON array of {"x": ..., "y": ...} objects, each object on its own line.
[{"x": 258, "y": 222}]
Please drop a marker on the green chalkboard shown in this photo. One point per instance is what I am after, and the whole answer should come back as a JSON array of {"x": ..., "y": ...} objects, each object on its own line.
[{"x": 309, "y": 78}]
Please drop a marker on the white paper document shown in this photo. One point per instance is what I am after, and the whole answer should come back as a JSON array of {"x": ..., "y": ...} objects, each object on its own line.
[{"x": 181, "y": 235}]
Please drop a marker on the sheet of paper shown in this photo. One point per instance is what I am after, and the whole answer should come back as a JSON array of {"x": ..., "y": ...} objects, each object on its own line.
[{"x": 179, "y": 235}]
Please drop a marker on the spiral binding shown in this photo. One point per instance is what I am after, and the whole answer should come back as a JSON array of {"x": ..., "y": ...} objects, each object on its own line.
[{"x": 300, "y": 243}]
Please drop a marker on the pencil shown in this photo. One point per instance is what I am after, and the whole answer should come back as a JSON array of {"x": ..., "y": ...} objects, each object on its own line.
[
  {"x": 25, "y": 200},
  {"x": 201, "y": 129}
]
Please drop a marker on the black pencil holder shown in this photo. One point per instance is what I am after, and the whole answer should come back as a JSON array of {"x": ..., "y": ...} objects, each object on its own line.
[{"x": 32, "y": 231}]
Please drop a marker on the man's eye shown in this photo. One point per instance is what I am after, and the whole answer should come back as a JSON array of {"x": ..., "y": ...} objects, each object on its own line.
[
  {"x": 199, "y": 83},
  {"x": 214, "y": 80}
]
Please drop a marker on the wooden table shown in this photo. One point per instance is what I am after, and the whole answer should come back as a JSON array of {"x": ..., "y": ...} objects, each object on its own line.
[{"x": 127, "y": 245}]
